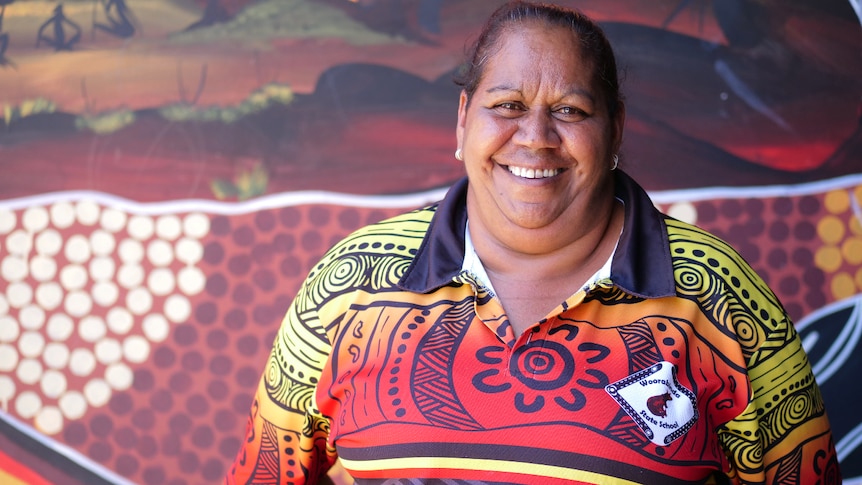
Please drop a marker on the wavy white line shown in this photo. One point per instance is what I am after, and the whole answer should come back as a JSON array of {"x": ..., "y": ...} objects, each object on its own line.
[{"x": 287, "y": 199}]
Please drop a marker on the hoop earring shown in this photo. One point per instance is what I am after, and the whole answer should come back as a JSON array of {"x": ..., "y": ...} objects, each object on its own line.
[
  {"x": 616, "y": 163},
  {"x": 459, "y": 155}
]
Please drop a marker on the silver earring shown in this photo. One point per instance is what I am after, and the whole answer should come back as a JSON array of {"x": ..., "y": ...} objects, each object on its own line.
[
  {"x": 459, "y": 155},
  {"x": 616, "y": 163}
]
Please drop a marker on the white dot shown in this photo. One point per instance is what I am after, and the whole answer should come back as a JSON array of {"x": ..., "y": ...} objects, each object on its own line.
[
  {"x": 19, "y": 294},
  {"x": 169, "y": 227},
  {"x": 87, "y": 212},
  {"x": 684, "y": 211},
  {"x": 136, "y": 349},
  {"x": 60, "y": 327},
  {"x": 78, "y": 303},
  {"x": 49, "y": 295},
  {"x": 161, "y": 281},
  {"x": 119, "y": 376},
  {"x": 156, "y": 327},
  {"x": 29, "y": 371},
  {"x": 97, "y": 392},
  {"x": 177, "y": 308},
  {"x": 130, "y": 276},
  {"x": 120, "y": 321},
  {"x": 102, "y": 268},
  {"x": 13, "y": 268},
  {"x": 191, "y": 280},
  {"x": 53, "y": 384},
  {"x": 8, "y": 221},
  {"x": 62, "y": 214},
  {"x": 9, "y": 330},
  {"x": 77, "y": 249},
  {"x": 131, "y": 251},
  {"x": 32, "y": 317},
  {"x": 4, "y": 305},
  {"x": 35, "y": 219},
  {"x": 73, "y": 405},
  {"x": 105, "y": 293},
  {"x": 160, "y": 253},
  {"x": 49, "y": 421},
  {"x": 139, "y": 301},
  {"x": 56, "y": 355},
  {"x": 19, "y": 243},
  {"x": 8, "y": 358},
  {"x": 28, "y": 404},
  {"x": 113, "y": 220},
  {"x": 7, "y": 390},
  {"x": 43, "y": 268},
  {"x": 31, "y": 344},
  {"x": 102, "y": 242},
  {"x": 108, "y": 351},
  {"x": 49, "y": 242},
  {"x": 141, "y": 227},
  {"x": 92, "y": 328},
  {"x": 82, "y": 362},
  {"x": 196, "y": 225},
  {"x": 189, "y": 251}
]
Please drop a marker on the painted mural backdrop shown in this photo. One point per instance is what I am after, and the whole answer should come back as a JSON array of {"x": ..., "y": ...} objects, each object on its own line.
[{"x": 171, "y": 169}]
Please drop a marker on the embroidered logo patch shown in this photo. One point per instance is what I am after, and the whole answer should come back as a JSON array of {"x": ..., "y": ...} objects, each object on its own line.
[{"x": 662, "y": 408}]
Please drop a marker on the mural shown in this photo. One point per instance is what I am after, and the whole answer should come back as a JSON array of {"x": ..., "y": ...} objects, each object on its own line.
[{"x": 171, "y": 169}]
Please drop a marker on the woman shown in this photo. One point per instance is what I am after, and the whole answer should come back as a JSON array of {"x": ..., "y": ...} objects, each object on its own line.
[{"x": 543, "y": 323}]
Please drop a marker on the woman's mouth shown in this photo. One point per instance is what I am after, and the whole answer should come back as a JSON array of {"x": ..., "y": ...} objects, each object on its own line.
[{"x": 531, "y": 173}]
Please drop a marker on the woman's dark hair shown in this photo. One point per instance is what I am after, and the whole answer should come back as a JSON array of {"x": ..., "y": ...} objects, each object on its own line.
[{"x": 592, "y": 38}]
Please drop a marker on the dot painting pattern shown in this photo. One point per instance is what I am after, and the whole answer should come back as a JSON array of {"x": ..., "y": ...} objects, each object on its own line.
[
  {"x": 139, "y": 340},
  {"x": 71, "y": 329},
  {"x": 821, "y": 233}
]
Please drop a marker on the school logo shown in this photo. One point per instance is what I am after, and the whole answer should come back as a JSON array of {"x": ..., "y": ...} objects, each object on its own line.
[{"x": 662, "y": 408}]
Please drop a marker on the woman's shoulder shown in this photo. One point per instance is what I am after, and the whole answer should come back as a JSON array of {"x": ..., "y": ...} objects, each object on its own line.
[
  {"x": 685, "y": 237},
  {"x": 397, "y": 236},
  {"x": 403, "y": 228},
  {"x": 702, "y": 259},
  {"x": 371, "y": 258}
]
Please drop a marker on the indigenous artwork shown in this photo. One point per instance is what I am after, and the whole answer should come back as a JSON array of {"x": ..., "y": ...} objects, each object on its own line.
[{"x": 173, "y": 169}]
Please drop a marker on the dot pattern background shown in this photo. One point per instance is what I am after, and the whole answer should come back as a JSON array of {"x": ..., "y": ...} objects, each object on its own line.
[{"x": 138, "y": 340}]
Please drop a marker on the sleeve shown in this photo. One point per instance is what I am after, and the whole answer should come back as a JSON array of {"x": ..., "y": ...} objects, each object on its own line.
[
  {"x": 286, "y": 436},
  {"x": 783, "y": 436}
]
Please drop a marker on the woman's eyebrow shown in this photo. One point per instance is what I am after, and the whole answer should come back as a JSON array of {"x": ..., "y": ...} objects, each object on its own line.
[
  {"x": 511, "y": 89},
  {"x": 503, "y": 88}
]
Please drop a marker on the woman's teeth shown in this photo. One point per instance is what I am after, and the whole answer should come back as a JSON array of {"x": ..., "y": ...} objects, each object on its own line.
[{"x": 530, "y": 173}]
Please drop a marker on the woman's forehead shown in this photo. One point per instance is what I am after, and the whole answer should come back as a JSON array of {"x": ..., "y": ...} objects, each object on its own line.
[
  {"x": 539, "y": 39},
  {"x": 534, "y": 52}
]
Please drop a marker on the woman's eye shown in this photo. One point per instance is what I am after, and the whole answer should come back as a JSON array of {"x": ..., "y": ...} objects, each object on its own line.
[
  {"x": 508, "y": 106},
  {"x": 570, "y": 112}
]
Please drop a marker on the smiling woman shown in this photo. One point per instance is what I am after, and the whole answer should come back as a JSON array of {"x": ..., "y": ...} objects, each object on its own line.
[
  {"x": 539, "y": 133},
  {"x": 544, "y": 322}
]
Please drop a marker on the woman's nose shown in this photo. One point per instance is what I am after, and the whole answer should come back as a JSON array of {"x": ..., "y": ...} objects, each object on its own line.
[{"x": 536, "y": 130}]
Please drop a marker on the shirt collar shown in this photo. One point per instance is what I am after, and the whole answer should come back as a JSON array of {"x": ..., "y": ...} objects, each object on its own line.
[{"x": 641, "y": 265}]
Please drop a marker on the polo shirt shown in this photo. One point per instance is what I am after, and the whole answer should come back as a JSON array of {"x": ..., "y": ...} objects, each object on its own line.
[{"x": 679, "y": 367}]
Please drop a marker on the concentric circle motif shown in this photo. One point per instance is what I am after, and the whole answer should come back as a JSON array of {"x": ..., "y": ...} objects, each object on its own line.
[{"x": 543, "y": 365}]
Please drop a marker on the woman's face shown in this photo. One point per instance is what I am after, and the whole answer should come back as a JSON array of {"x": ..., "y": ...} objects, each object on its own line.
[{"x": 537, "y": 138}]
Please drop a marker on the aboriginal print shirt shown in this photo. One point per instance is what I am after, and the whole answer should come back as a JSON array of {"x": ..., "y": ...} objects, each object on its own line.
[{"x": 680, "y": 367}]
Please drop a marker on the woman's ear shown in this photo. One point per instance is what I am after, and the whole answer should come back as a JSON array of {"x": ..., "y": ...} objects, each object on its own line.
[
  {"x": 462, "y": 119},
  {"x": 619, "y": 123}
]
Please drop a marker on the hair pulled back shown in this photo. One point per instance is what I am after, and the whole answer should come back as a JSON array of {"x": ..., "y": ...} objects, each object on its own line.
[{"x": 594, "y": 45}]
